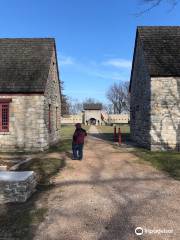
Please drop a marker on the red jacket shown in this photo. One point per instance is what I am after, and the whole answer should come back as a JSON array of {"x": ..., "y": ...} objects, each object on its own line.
[{"x": 79, "y": 135}]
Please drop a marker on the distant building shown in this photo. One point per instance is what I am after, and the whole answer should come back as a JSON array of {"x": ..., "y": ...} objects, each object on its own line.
[
  {"x": 155, "y": 88},
  {"x": 94, "y": 115},
  {"x": 29, "y": 94}
]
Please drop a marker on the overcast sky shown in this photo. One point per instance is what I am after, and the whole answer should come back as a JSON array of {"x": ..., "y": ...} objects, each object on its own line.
[{"x": 94, "y": 38}]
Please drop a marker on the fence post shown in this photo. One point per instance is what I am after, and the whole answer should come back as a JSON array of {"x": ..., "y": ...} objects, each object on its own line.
[
  {"x": 115, "y": 134},
  {"x": 119, "y": 136}
]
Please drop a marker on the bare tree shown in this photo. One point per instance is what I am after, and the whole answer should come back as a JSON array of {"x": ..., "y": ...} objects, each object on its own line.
[
  {"x": 75, "y": 106},
  {"x": 64, "y": 101},
  {"x": 155, "y": 3},
  {"x": 91, "y": 100},
  {"x": 126, "y": 97},
  {"x": 118, "y": 97},
  {"x": 108, "y": 108}
]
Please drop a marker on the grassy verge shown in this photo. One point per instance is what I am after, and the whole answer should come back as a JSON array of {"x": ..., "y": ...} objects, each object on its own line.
[
  {"x": 164, "y": 161},
  {"x": 44, "y": 168},
  {"x": 108, "y": 132},
  {"x": 168, "y": 162},
  {"x": 65, "y": 144},
  {"x": 20, "y": 220}
]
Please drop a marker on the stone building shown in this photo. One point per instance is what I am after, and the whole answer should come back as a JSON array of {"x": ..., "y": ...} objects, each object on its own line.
[
  {"x": 29, "y": 94},
  {"x": 94, "y": 114},
  {"x": 72, "y": 119},
  {"x": 155, "y": 88}
]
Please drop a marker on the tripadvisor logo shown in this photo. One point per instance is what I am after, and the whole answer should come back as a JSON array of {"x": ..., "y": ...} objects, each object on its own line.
[{"x": 139, "y": 231}]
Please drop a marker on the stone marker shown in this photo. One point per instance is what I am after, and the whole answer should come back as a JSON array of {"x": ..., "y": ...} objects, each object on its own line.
[
  {"x": 3, "y": 168},
  {"x": 16, "y": 186}
]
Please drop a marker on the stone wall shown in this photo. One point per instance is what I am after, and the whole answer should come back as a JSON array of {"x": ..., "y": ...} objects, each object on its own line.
[
  {"x": 117, "y": 118},
  {"x": 140, "y": 101},
  {"x": 26, "y": 124},
  {"x": 29, "y": 118},
  {"x": 72, "y": 119},
  {"x": 92, "y": 114},
  {"x": 52, "y": 99},
  {"x": 108, "y": 118},
  {"x": 16, "y": 186},
  {"x": 155, "y": 108},
  {"x": 165, "y": 113}
]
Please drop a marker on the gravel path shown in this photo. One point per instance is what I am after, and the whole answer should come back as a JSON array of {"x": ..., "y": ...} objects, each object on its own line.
[
  {"x": 107, "y": 195},
  {"x": 93, "y": 130}
]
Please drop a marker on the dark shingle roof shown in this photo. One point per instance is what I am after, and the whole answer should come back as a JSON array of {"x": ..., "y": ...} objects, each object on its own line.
[
  {"x": 161, "y": 49},
  {"x": 92, "y": 106},
  {"x": 24, "y": 64}
]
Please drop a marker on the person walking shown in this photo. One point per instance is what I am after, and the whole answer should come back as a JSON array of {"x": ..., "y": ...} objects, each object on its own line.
[{"x": 78, "y": 142}]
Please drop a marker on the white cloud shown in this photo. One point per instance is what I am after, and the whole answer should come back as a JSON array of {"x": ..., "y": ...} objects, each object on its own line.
[
  {"x": 66, "y": 60},
  {"x": 118, "y": 63},
  {"x": 98, "y": 69}
]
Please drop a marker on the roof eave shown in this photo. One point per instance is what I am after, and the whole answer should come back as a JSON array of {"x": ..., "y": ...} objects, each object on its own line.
[{"x": 134, "y": 53}]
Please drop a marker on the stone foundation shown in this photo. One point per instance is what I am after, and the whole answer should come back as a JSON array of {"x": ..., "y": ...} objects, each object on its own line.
[
  {"x": 16, "y": 186},
  {"x": 27, "y": 128}
]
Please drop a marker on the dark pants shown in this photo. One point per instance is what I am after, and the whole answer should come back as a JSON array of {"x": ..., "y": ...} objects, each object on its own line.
[{"x": 77, "y": 150}]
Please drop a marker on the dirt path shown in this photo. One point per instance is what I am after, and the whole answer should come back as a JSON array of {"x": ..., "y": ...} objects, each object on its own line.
[{"x": 108, "y": 195}]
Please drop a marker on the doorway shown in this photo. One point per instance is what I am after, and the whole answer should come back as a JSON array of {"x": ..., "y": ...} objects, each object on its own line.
[{"x": 92, "y": 121}]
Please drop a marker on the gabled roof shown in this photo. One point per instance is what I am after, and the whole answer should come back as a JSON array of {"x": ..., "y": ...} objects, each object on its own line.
[
  {"x": 92, "y": 106},
  {"x": 161, "y": 49},
  {"x": 24, "y": 64}
]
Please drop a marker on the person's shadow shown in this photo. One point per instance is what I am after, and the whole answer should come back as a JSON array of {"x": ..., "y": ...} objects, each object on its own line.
[{"x": 69, "y": 155}]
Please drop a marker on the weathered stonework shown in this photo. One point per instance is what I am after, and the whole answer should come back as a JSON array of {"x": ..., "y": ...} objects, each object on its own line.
[
  {"x": 16, "y": 186},
  {"x": 29, "y": 117},
  {"x": 140, "y": 101},
  {"x": 52, "y": 98},
  {"x": 72, "y": 119},
  {"x": 88, "y": 114},
  {"x": 165, "y": 113},
  {"x": 155, "y": 100},
  {"x": 108, "y": 118},
  {"x": 27, "y": 127},
  {"x": 29, "y": 81}
]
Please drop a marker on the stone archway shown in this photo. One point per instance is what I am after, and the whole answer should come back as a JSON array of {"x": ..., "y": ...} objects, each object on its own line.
[{"x": 92, "y": 121}]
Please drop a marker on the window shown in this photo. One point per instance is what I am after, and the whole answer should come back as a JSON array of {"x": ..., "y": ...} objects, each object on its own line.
[
  {"x": 57, "y": 118},
  {"x": 4, "y": 115},
  {"x": 49, "y": 117}
]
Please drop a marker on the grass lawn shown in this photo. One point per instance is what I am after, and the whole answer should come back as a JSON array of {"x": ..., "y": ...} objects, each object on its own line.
[
  {"x": 164, "y": 161},
  {"x": 66, "y": 138},
  {"x": 20, "y": 220},
  {"x": 108, "y": 132}
]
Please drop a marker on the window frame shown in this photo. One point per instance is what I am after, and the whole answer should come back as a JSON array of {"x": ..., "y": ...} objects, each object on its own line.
[
  {"x": 49, "y": 118},
  {"x": 57, "y": 119},
  {"x": 4, "y": 105}
]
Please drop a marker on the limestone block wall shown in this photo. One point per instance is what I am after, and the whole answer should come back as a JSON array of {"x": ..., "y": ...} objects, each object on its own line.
[
  {"x": 72, "y": 119},
  {"x": 27, "y": 127},
  {"x": 165, "y": 113},
  {"x": 140, "y": 98},
  {"x": 52, "y": 101},
  {"x": 118, "y": 118},
  {"x": 92, "y": 114},
  {"x": 17, "y": 186}
]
